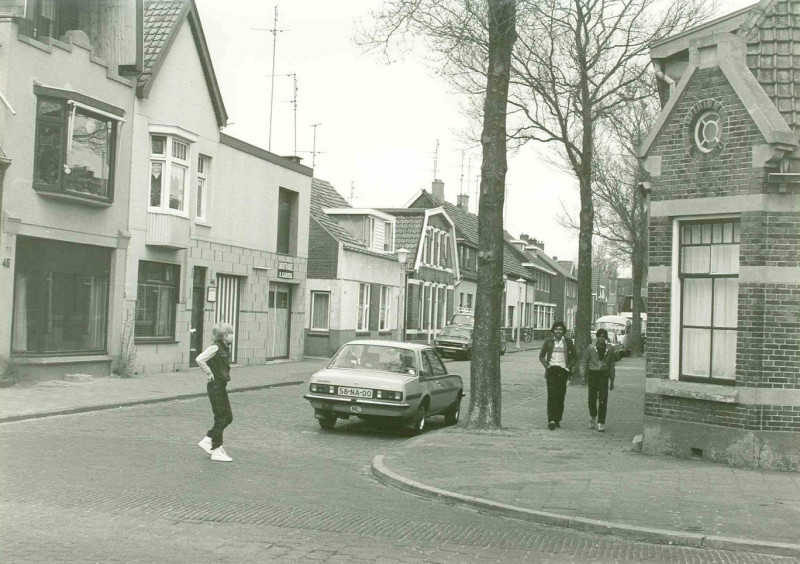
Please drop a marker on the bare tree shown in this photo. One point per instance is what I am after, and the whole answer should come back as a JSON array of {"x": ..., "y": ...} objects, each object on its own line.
[{"x": 493, "y": 25}]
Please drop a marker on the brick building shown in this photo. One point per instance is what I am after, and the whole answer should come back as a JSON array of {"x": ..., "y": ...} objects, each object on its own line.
[{"x": 723, "y": 365}]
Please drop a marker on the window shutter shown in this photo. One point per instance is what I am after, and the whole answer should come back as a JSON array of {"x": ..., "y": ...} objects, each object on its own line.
[{"x": 374, "y": 306}]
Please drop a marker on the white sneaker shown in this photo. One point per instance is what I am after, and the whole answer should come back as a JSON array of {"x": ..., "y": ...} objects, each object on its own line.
[
  {"x": 205, "y": 444},
  {"x": 220, "y": 455},
  {"x": 592, "y": 423},
  {"x": 601, "y": 427}
]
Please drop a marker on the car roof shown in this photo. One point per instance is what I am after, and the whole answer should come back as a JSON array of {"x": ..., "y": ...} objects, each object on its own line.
[
  {"x": 397, "y": 344},
  {"x": 613, "y": 319}
]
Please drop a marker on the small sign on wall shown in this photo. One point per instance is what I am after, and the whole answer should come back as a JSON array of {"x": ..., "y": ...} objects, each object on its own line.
[
  {"x": 211, "y": 294},
  {"x": 286, "y": 270}
]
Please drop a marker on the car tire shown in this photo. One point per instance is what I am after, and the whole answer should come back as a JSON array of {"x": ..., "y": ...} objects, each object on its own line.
[
  {"x": 453, "y": 412},
  {"x": 419, "y": 418},
  {"x": 328, "y": 422}
]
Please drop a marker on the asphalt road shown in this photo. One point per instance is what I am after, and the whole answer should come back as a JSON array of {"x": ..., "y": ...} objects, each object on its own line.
[{"x": 130, "y": 485}]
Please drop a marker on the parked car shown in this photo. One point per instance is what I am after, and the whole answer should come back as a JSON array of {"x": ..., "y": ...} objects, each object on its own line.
[
  {"x": 456, "y": 341},
  {"x": 404, "y": 382},
  {"x": 466, "y": 318},
  {"x": 621, "y": 327}
]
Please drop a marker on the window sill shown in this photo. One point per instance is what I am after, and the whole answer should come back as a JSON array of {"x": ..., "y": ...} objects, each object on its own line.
[
  {"x": 363, "y": 333},
  {"x": 202, "y": 223},
  {"x": 60, "y": 359},
  {"x": 72, "y": 197},
  {"x": 162, "y": 211},
  {"x": 155, "y": 341},
  {"x": 698, "y": 391},
  {"x": 318, "y": 333}
]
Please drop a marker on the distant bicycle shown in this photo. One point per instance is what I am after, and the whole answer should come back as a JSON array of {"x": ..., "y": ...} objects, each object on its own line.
[{"x": 527, "y": 334}]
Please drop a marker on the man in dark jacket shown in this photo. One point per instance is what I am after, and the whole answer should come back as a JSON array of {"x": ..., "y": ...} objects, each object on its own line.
[
  {"x": 558, "y": 356},
  {"x": 598, "y": 360}
]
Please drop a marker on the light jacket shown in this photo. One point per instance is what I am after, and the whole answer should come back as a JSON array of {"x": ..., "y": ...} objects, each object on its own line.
[{"x": 591, "y": 361}]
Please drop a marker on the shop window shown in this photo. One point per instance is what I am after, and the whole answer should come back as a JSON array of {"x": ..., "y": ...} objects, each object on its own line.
[
  {"x": 60, "y": 297},
  {"x": 287, "y": 222},
  {"x": 157, "y": 300},
  {"x": 320, "y": 311},
  {"x": 709, "y": 300},
  {"x": 75, "y": 149}
]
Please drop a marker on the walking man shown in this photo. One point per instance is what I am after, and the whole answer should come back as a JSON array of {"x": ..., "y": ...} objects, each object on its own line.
[
  {"x": 598, "y": 359},
  {"x": 558, "y": 356}
]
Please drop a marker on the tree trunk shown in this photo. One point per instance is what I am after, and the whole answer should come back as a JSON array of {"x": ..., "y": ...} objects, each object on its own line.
[
  {"x": 484, "y": 398},
  {"x": 583, "y": 325}
]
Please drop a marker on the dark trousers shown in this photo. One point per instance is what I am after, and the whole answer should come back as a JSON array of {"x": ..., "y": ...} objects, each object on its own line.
[
  {"x": 598, "y": 395},
  {"x": 221, "y": 406},
  {"x": 556, "y": 391}
]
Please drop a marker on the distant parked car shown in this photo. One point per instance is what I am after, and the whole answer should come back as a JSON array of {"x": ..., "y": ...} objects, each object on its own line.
[
  {"x": 456, "y": 341},
  {"x": 466, "y": 318},
  {"x": 404, "y": 382}
]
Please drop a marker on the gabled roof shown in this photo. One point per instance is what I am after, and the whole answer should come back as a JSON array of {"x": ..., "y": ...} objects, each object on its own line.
[
  {"x": 467, "y": 226},
  {"x": 568, "y": 266},
  {"x": 324, "y": 196},
  {"x": 162, "y": 20}
]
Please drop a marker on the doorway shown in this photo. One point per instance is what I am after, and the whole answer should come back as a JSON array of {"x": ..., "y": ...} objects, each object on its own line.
[
  {"x": 228, "y": 307},
  {"x": 279, "y": 325},
  {"x": 198, "y": 313}
]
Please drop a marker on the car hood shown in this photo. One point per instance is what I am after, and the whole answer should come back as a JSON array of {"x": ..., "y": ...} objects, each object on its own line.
[{"x": 361, "y": 378}]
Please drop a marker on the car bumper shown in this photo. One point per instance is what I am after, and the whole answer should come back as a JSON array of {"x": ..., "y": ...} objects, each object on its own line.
[
  {"x": 354, "y": 406},
  {"x": 446, "y": 350}
]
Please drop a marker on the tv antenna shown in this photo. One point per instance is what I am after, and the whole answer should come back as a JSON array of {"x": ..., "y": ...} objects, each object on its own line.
[
  {"x": 461, "y": 188},
  {"x": 314, "y": 146},
  {"x": 274, "y": 31},
  {"x": 352, "y": 192},
  {"x": 294, "y": 104},
  {"x": 436, "y": 160}
]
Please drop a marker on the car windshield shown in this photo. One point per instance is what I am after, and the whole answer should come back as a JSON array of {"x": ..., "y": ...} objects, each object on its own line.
[
  {"x": 462, "y": 332},
  {"x": 375, "y": 357},
  {"x": 461, "y": 319},
  {"x": 610, "y": 327}
]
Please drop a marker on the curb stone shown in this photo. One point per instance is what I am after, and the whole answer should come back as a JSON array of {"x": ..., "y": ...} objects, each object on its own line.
[
  {"x": 663, "y": 536},
  {"x": 145, "y": 401}
]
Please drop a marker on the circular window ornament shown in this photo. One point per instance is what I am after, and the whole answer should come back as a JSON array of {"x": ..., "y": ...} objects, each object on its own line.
[{"x": 708, "y": 131}]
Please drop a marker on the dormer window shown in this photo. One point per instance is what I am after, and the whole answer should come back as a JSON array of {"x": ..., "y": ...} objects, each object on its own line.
[{"x": 388, "y": 237}]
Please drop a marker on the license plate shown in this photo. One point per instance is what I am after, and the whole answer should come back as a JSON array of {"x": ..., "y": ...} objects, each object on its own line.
[{"x": 355, "y": 392}]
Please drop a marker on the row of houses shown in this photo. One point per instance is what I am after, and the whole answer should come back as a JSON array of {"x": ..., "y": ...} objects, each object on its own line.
[{"x": 131, "y": 221}]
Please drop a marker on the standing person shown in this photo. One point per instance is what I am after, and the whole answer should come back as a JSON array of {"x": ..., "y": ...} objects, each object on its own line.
[
  {"x": 215, "y": 361},
  {"x": 598, "y": 358},
  {"x": 558, "y": 356}
]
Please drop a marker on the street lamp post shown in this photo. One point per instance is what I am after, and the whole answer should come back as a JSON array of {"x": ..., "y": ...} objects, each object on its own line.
[
  {"x": 520, "y": 287},
  {"x": 402, "y": 256}
]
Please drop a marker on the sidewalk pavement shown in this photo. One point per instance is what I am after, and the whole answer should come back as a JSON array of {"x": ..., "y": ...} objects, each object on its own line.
[
  {"x": 80, "y": 394},
  {"x": 570, "y": 477},
  {"x": 598, "y": 482}
]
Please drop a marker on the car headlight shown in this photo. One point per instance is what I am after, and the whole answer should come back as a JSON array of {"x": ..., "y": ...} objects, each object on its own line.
[
  {"x": 388, "y": 395},
  {"x": 322, "y": 388}
]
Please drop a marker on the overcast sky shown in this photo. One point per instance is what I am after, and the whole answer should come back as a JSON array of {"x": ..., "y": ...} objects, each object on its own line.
[{"x": 379, "y": 123}]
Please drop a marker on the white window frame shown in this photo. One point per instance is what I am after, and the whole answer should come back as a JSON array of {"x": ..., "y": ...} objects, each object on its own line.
[
  {"x": 385, "y": 309},
  {"x": 204, "y": 180},
  {"x": 327, "y": 327},
  {"x": 363, "y": 307},
  {"x": 168, "y": 160},
  {"x": 676, "y": 305},
  {"x": 388, "y": 236}
]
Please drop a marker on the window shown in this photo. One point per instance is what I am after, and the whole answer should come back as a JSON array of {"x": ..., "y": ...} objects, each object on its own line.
[
  {"x": 510, "y": 317},
  {"x": 383, "y": 319},
  {"x": 287, "y": 222},
  {"x": 709, "y": 283},
  {"x": 157, "y": 300},
  {"x": 169, "y": 174},
  {"x": 363, "y": 307},
  {"x": 436, "y": 364},
  {"x": 320, "y": 311},
  {"x": 388, "y": 237},
  {"x": 708, "y": 131},
  {"x": 203, "y": 174},
  {"x": 75, "y": 149},
  {"x": 48, "y": 18},
  {"x": 60, "y": 297}
]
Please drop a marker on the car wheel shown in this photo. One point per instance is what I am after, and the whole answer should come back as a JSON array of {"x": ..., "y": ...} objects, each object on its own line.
[
  {"x": 327, "y": 422},
  {"x": 419, "y": 418},
  {"x": 453, "y": 412}
]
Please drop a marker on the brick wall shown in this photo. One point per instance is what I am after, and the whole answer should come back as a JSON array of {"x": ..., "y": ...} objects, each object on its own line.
[
  {"x": 658, "y": 321},
  {"x": 775, "y": 240},
  {"x": 323, "y": 253},
  {"x": 738, "y": 416}
]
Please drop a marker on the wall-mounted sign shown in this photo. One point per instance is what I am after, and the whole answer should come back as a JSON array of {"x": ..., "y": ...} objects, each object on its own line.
[
  {"x": 211, "y": 294},
  {"x": 285, "y": 270}
]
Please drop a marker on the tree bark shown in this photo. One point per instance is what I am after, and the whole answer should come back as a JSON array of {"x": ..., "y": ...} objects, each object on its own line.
[{"x": 485, "y": 396}]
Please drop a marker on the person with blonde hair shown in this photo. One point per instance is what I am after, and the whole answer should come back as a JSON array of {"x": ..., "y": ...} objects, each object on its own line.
[{"x": 215, "y": 361}]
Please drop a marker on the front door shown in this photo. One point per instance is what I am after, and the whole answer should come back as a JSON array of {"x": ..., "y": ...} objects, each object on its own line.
[
  {"x": 198, "y": 303},
  {"x": 228, "y": 307},
  {"x": 280, "y": 311}
]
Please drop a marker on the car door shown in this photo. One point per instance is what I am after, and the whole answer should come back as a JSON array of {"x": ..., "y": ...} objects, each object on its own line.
[{"x": 441, "y": 387}]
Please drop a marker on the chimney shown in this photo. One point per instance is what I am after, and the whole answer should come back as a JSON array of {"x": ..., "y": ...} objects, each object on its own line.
[
  {"x": 437, "y": 189},
  {"x": 463, "y": 202},
  {"x": 525, "y": 237},
  {"x": 555, "y": 258},
  {"x": 294, "y": 159},
  {"x": 536, "y": 243}
]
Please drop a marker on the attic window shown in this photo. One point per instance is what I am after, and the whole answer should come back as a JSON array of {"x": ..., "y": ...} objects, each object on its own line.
[{"x": 708, "y": 131}]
